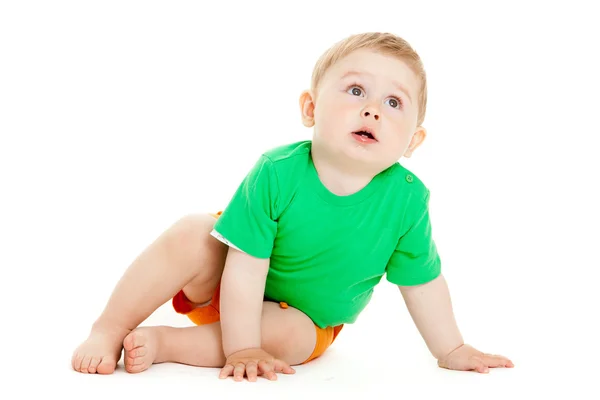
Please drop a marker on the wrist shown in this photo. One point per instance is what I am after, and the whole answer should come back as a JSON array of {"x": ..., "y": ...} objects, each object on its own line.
[
  {"x": 233, "y": 347},
  {"x": 448, "y": 350},
  {"x": 241, "y": 351}
]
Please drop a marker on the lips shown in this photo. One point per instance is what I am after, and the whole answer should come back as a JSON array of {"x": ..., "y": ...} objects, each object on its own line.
[{"x": 365, "y": 133}]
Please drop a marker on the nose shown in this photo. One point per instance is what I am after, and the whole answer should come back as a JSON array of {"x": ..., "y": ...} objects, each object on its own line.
[{"x": 370, "y": 112}]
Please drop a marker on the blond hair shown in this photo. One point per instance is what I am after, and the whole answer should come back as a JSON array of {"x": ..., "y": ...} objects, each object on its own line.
[{"x": 387, "y": 44}]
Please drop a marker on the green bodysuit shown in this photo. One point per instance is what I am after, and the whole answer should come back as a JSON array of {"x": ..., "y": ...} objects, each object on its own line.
[{"x": 327, "y": 252}]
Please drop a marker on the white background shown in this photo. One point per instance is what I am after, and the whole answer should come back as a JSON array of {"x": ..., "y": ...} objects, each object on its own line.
[{"x": 118, "y": 117}]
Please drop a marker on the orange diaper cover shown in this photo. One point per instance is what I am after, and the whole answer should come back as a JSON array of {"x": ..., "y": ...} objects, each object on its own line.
[{"x": 210, "y": 313}]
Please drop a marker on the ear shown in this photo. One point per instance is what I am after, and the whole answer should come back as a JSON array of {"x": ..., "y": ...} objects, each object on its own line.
[
  {"x": 417, "y": 139},
  {"x": 307, "y": 108}
]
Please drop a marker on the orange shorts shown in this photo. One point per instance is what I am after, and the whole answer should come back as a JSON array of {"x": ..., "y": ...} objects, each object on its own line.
[{"x": 210, "y": 313}]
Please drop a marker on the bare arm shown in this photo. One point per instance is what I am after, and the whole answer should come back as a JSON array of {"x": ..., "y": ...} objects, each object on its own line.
[
  {"x": 242, "y": 292},
  {"x": 431, "y": 309}
]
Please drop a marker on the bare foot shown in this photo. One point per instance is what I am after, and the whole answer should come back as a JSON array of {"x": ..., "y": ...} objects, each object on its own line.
[
  {"x": 100, "y": 353},
  {"x": 142, "y": 347}
]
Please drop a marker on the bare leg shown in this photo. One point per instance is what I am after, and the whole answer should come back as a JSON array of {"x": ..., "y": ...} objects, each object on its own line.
[
  {"x": 184, "y": 256},
  {"x": 288, "y": 334}
]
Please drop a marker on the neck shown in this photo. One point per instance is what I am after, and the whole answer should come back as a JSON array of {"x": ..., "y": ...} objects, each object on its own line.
[{"x": 340, "y": 178}]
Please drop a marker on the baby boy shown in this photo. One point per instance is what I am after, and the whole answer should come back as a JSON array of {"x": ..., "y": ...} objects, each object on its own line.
[{"x": 271, "y": 281}]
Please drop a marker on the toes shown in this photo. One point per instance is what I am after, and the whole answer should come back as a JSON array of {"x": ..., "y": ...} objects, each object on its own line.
[
  {"x": 137, "y": 352},
  {"x": 128, "y": 341},
  {"x": 134, "y": 369},
  {"x": 94, "y": 365},
  {"x": 107, "y": 365},
  {"x": 131, "y": 361},
  {"x": 76, "y": 362},
  {"x": 136, "y": 364},
  {"x": 85, "y": 363},
  {"x": 134, "y": 345},
  {"x": 133, "y": 340}
]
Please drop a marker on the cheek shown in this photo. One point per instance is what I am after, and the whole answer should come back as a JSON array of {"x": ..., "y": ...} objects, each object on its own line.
[
  {"x": 398, "y": 120},
  {"x": 332, "y": 112},
  {"x": 346, "y": 115},
  {"x": 398, "y": 130}
]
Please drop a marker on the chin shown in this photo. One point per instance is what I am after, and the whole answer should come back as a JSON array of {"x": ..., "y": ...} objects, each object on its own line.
[{"x": 366, "y": 158}]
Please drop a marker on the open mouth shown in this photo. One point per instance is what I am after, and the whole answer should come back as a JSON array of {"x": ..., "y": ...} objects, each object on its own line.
[{"x": 364, "y": 135}]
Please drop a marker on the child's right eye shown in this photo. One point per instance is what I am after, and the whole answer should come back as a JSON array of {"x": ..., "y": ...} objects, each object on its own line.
[{"x": 355, "y": 90}]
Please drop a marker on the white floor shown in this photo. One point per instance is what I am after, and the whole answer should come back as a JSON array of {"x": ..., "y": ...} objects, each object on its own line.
[{"x": 377, "y": 357}]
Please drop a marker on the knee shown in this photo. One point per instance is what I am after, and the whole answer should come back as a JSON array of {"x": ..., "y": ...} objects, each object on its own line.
[
  {"x": 288, "y": 335},
  {"x": 280, "y": 343},
  {"x": 194, "y": 224},
  {"x": 190, "y": 234},
  {"x": 294, "y": 346}
]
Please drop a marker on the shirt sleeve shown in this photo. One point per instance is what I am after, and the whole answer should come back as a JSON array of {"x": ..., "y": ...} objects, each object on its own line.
[
  {"x": 415, "y": 260},
  {"x": 249, "y": 222}
]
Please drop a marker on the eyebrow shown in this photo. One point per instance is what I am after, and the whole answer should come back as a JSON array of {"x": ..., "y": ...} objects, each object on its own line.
[{"x": 396, "y": 83}]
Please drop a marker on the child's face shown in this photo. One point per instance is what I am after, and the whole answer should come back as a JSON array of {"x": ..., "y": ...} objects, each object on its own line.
[{"x": 366, "y": 91}]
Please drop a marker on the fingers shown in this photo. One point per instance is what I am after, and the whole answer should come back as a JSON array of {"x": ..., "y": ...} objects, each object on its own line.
[
  {"x": 483, "y": 363},
  {"x": 267, "y": 370},
  {"x": 497, "y": 361},
  {"x": 226, "y": 371},
  {"x": 254, "y": 368},
  {"x": 238, "y": 372},
  {"x": 282, "y": 366},
  {"x": 252, "y": 371},
  {"x": 473, "y": 363},
  {"x": 478, "y": 365},
  {"x": 466, "y": 358}
]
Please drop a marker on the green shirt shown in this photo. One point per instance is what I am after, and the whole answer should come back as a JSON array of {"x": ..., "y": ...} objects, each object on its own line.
[{"x": 327, "y": 252}]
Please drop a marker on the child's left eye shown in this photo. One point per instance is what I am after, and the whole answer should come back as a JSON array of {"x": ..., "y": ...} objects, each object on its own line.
[{"x": 395, "y": 103}]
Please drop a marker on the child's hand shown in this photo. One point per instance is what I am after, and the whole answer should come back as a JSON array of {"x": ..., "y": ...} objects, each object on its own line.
[
  {"x": 253, "y": 362},
  {"x": 466, "y": 358}
]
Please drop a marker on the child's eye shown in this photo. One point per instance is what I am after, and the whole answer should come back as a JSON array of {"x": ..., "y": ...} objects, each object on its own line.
[
  {"x": 395, "y": 103},
  {"x": 355, "y": 90}
]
